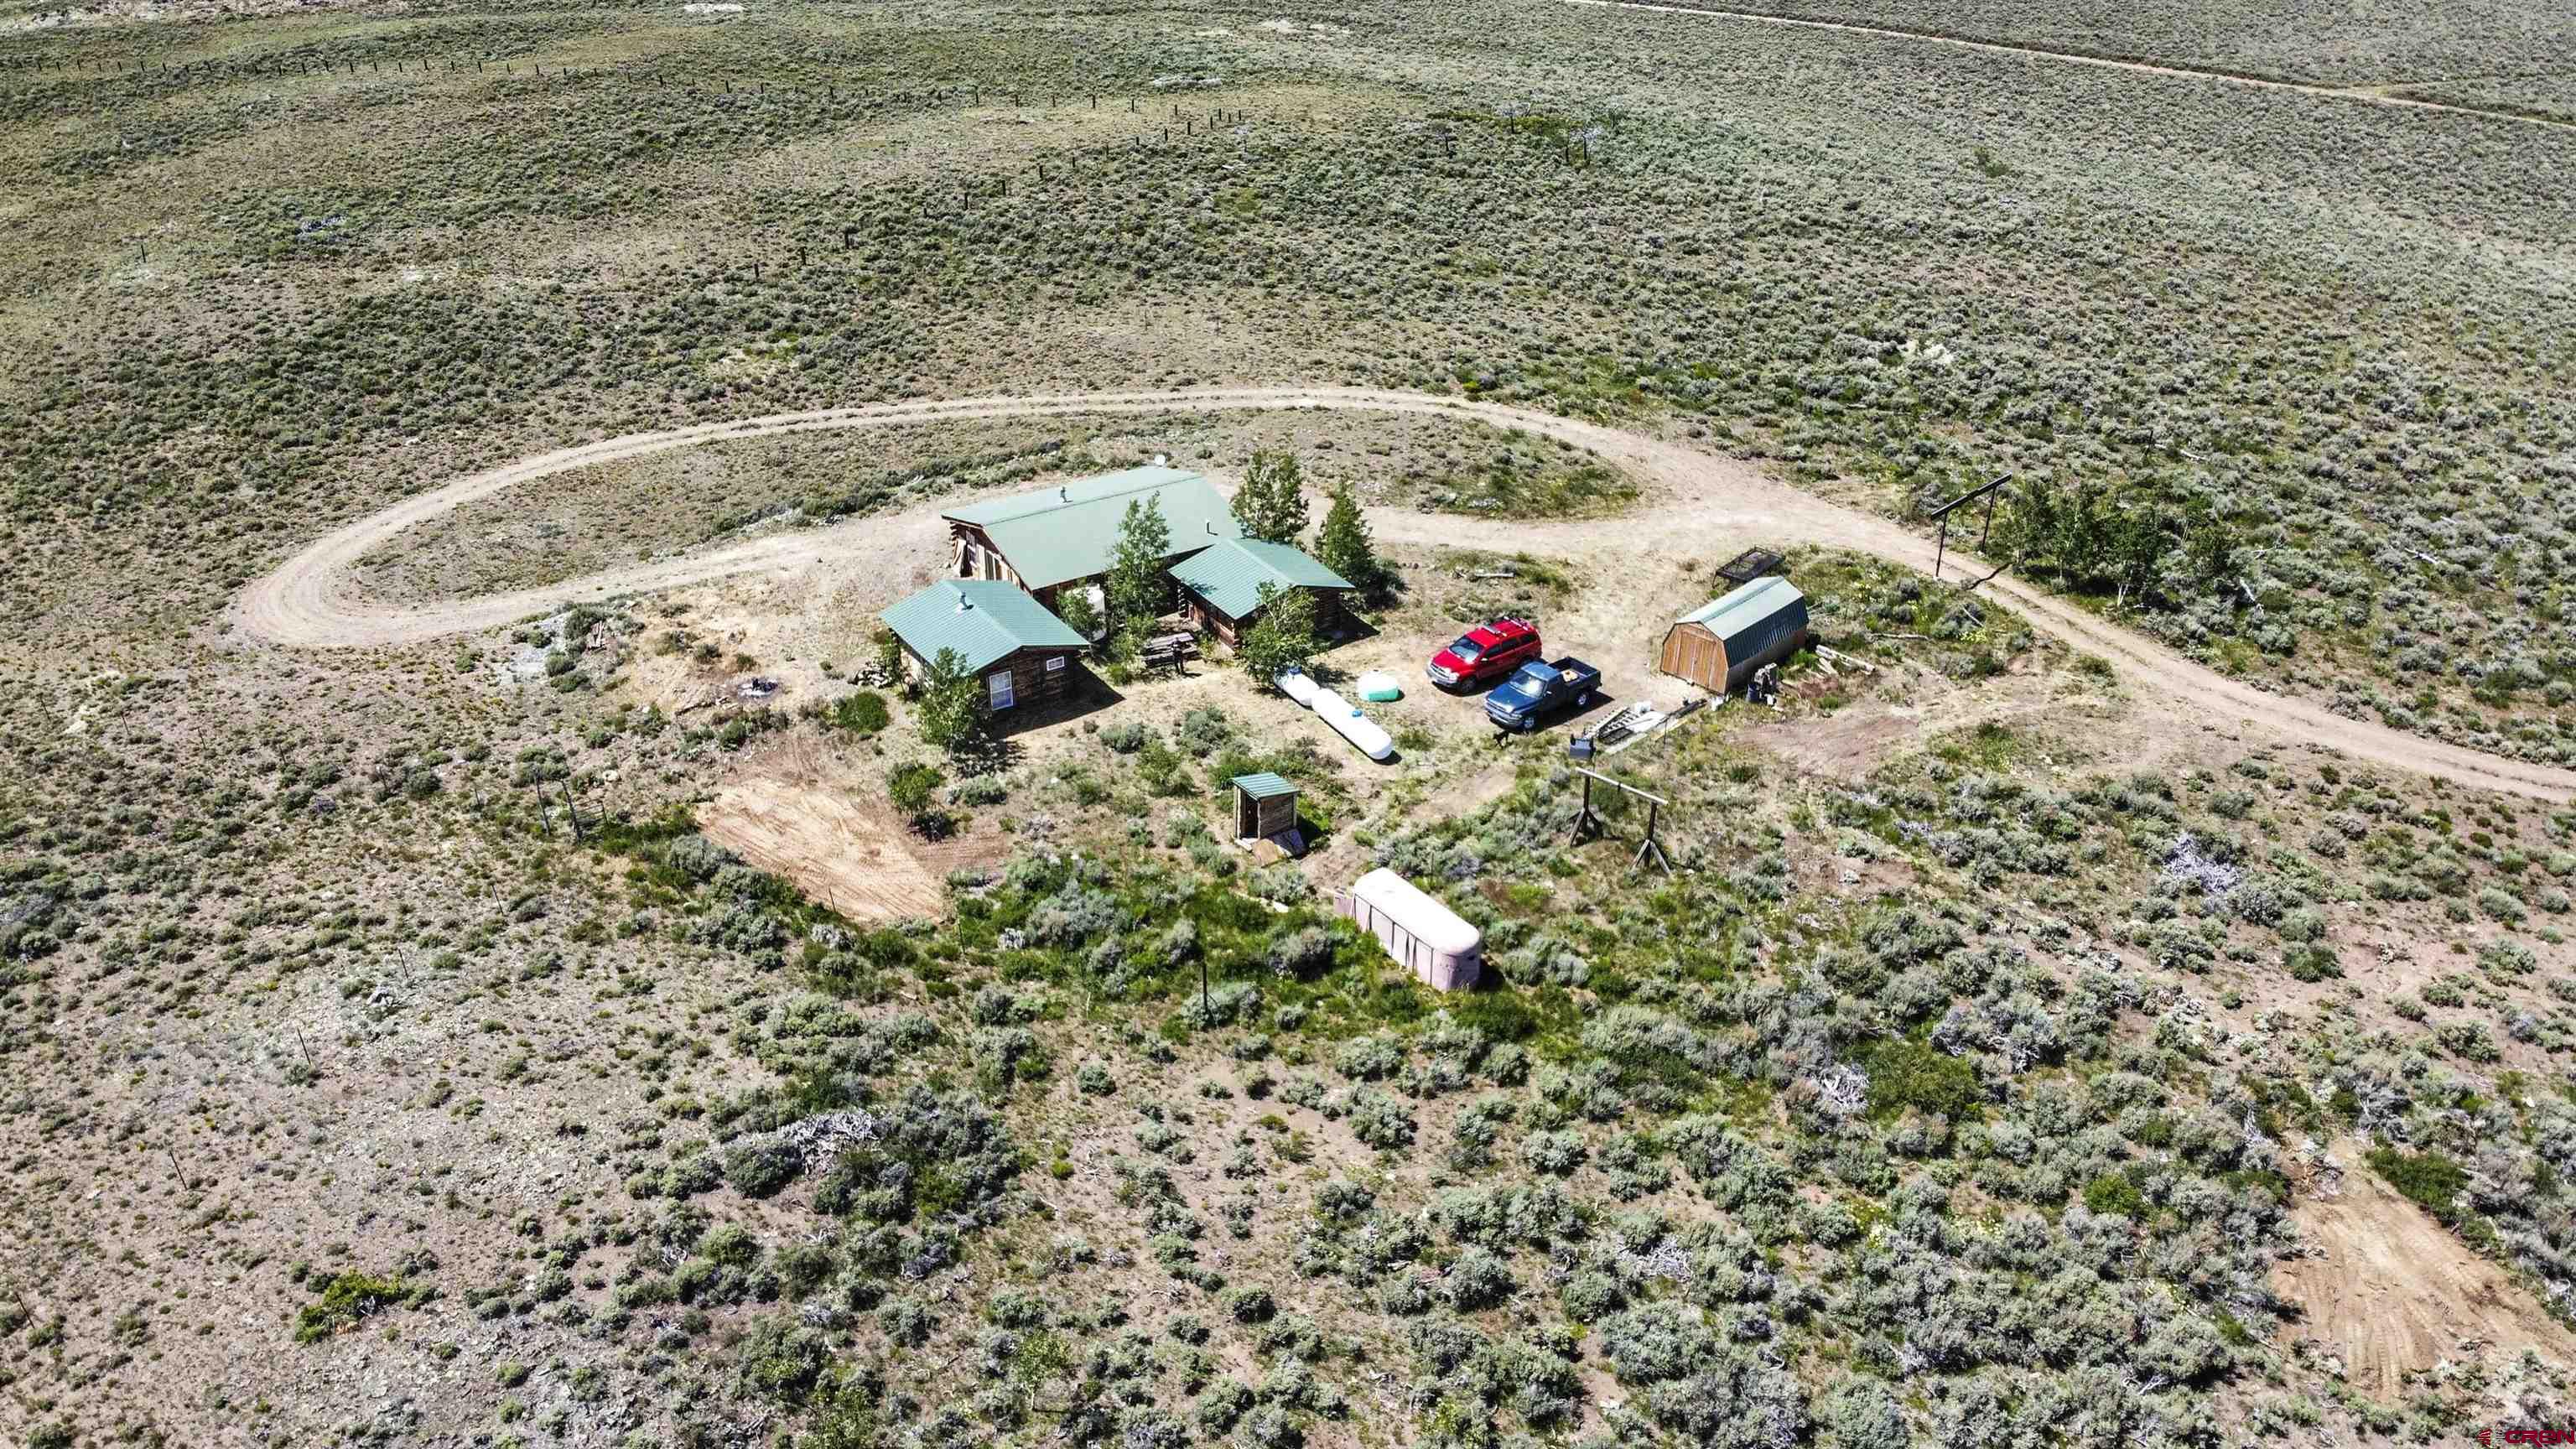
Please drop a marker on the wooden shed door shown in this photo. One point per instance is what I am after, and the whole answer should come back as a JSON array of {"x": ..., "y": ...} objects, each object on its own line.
[{"x": 1696, "y": 655}]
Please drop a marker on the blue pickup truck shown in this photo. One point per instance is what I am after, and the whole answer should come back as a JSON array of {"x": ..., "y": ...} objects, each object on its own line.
[{"x": 1538, "y": 692}]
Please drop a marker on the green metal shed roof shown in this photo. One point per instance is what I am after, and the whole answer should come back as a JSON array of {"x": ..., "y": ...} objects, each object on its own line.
[
  {"x": 1731, "y": 613},
  {"x": 1070, "y": 531},
  {"x": 1230, "y": 574},
  {"x": 984, "y": 620},
  {"x": 1263, "y": 786}
]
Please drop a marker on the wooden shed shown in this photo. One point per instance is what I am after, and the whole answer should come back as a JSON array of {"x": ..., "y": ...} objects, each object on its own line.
[
  {"x": 1718, "y": 645},
  {"x": 1264, "y": 805}
]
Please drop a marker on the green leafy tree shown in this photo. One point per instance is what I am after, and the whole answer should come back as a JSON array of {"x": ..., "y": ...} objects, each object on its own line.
[
  {"x": 1074, "y": 607},
  {"x": 913, "y": 785},
  {"x": 2030, "y": 530},
  {"x": 1271, "y": 504},
  {"x": 2138, "y": 548},
  {"x": 952, "y": 704},
  {"x": 1344, "y": 545},
  {"x": 2083, "y": 538},
  {"x": 1138, "y": 589},
  {"x": 2209, "y": 545},
  {"x": 1282, "y": 635},
  {"x": 914, "y": 789},
  {"x": 863, "y": 713}
]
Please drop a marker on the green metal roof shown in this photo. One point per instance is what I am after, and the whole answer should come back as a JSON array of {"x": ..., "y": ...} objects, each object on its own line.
[
  {"x": 1071, "y": 531},
  {"x": 1230, "y": 574},
  {"x": 1737, "y": 610},
  {"x": 1263, "y": 786},
  {"x": 984, "y": 620}
]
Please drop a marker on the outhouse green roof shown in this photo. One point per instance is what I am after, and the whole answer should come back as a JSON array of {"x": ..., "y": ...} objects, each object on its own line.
[
  {"x": 984, "y": 620},
  {"x": 1264, "y": 786},
  {"x": 1229, "y": 575}
]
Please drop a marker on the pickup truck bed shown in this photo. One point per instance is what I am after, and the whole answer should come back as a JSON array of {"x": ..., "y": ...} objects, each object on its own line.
[{"x": 1538, "y": 692}]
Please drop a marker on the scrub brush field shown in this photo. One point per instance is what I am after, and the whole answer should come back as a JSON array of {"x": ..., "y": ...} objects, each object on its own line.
[{"x": 496, "y": 950}]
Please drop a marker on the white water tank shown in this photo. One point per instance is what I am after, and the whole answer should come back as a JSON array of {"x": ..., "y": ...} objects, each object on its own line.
[
  {"x": 1295, "y": 684},
  {"x": 1345, "y": 720}
]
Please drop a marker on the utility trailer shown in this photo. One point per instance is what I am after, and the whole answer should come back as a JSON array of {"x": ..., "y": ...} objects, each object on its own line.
[{"x": 1442, "y": 949}]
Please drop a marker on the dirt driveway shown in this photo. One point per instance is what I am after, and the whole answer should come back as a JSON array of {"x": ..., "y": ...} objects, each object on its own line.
[{"x": 1700, "y": 505}]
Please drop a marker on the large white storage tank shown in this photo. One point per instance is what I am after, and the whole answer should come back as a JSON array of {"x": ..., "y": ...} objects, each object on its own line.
[
  {"x": 1344, "y": 719},
  {"x": 1435, "y": 943}
]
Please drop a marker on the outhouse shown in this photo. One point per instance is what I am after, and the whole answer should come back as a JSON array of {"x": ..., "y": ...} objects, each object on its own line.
[{"x": 1264, "y": 805}]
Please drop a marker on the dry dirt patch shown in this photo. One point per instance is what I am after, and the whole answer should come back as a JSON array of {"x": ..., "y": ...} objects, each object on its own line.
[
  {"x": 818, "y": 825},
  {"x": 2391, "y": 1292},
  {"x": 1903, "y": 707}
]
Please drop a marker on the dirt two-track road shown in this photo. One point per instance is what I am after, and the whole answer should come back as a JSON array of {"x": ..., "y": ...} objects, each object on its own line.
[{"x": 1697, "y": 505}]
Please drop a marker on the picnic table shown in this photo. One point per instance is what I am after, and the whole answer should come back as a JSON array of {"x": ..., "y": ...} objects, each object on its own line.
[{"x": 1168, "y": 651}]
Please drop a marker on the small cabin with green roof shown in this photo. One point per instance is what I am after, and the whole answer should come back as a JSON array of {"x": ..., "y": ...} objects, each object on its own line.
[
  {"x": 1221, "y": 585},
  {"x": 1007, "y": 639}
]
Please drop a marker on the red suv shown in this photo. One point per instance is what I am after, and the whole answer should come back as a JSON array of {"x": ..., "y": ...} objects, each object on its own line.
[{"x": 1484, "y": 654}]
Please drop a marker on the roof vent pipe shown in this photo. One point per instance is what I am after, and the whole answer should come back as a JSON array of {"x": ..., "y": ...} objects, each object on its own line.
[
  {"x": 964, "y": 603},
  {"x": 1063, "y": 493}
]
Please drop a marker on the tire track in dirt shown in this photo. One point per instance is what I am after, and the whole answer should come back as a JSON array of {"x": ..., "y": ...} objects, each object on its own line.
[
  {"x": 2372, "y": 94},
  {"x": 2391, "y": 1292},
  {"x": 1703, "y": 504}
]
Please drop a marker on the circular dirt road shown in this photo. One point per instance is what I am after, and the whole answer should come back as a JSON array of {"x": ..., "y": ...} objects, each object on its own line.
[{"x": 1700, "y": 506}]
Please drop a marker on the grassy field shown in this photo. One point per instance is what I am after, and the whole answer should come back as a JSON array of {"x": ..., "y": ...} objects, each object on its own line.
[
  {"x": 2551, "y": 96},
  {"x": 2294, "y": 40},
  {"x": 590, "y": 518},
  {"x": 392, "y": 1058}
]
